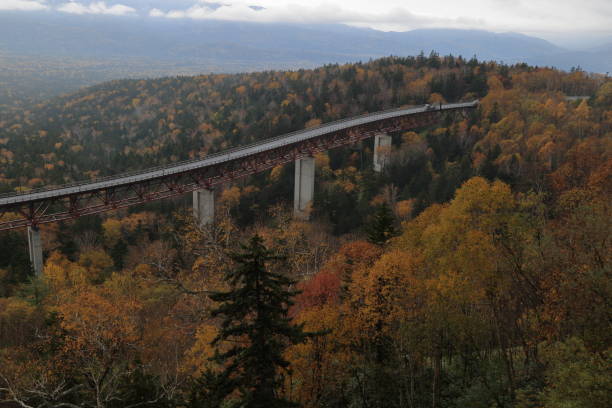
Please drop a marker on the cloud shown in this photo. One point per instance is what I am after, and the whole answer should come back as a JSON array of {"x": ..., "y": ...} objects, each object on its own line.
[
  {"x": 23, "y": 5},
  {"x": 536, "y": 17},
  {"x": 495, "y": 15},
  {"x": 98, "y": 7},
  {"x": 302, "y": 13},
  {"x": 156, "y": 13}
]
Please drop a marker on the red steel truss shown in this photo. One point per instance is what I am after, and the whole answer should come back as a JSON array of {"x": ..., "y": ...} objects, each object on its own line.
[{"x": 35, "y": 212}]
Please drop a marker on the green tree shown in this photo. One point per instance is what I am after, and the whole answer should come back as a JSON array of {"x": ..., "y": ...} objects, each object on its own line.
[
  {"x": 118, "y": 253},
  {"x": 208, "y": 391},
  {"x": 577, "y": 377},
  {"x": 256, "y": 323},
  {"x": 382, "y": 226}
]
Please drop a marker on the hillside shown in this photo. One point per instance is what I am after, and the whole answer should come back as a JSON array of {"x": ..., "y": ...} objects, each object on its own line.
[
  {"x": 474, "y": 271},
  {"x": 134, "y": 124},
  {"x": 149, "y": 122},
  {"x": 47, "y": 54}
]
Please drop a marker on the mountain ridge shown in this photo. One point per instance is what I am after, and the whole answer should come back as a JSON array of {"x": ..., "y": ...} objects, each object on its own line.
[
  {"x": 104, "y": 37},
  {"x": 35, "y": 49}
]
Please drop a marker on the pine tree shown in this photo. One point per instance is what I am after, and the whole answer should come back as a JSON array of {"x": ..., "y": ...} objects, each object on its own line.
[
  {"x": 256, "y": 324},
  {"x": 494, "y": 115},
  {"x": 382, "y": 226}
]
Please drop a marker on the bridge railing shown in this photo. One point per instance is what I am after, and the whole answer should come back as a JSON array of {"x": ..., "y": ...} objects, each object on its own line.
[{"x": 333, "y": 124}]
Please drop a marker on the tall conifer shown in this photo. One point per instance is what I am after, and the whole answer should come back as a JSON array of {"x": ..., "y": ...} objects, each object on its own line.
[
  {"x": 256, "y": 324},
  {"x": 382, "y": 226}
]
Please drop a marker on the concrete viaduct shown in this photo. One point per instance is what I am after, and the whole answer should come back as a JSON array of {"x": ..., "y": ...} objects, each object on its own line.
[{"x": 199, "y": 176}]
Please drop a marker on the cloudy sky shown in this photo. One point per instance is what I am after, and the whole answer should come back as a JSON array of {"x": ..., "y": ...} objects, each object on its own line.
[{"x": 545, "y": 18}]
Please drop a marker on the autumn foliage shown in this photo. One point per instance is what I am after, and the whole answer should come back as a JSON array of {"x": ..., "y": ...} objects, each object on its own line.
[{"x": 493, "y": 291}]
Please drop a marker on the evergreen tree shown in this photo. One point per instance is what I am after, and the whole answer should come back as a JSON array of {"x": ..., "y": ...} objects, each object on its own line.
[
  {"x": 208, "y": 391},
  {"x": 14, "y": 261},
  {"x": 382, "y": 226},
  {"x": 495, "y": 116},
  {"x": 118, "y": 253},
  {"x": 256, "y": 323}
]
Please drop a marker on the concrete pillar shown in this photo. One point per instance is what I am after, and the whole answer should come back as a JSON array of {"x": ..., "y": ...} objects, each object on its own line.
[
  {"x": 304, "y": 187},
  {"x": 204, "y": 206},
  {"x": 35, "y": 248},
  {"x": 382, "y": 151}
]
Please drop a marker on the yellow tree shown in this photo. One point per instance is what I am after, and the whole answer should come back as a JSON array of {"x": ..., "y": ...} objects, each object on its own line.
[
  {"x": 481, "y": 256},
  {"x": 101, "y": 341}
]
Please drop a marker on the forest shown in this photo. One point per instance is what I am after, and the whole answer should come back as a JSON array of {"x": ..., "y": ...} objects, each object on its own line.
[{"x": 473, "y": 272}]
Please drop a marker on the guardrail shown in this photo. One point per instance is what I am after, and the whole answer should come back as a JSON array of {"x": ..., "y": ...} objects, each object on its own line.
[{"x": 226, "y": 155}]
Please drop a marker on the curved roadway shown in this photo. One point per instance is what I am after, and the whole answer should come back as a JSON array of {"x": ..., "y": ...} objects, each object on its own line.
[{"x": 227, "y": 155}]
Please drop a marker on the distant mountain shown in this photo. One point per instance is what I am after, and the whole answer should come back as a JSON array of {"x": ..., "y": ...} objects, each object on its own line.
[
  {"x": 230, "y": 43},
  {"x": 598, "y": 60},
  {"x": 507, "y": 47},
  {"x": 606, "y": 48},
  {"x": 42, "y": 54}
]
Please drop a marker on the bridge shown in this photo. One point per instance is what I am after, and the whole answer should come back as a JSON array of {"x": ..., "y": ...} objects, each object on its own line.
[{"x": 199, "y": 176}]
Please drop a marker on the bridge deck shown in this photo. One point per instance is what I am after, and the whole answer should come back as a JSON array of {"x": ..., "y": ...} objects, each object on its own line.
[{"x": 225, "y": 156}]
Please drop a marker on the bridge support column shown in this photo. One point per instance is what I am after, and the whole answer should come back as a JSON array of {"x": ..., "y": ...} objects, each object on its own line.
[
  {"x": 382, "y": 151},
  {"x": 304, "y": 187},
  {"x": 204, "y": 206},
  {"x": 35, "y": 250}
]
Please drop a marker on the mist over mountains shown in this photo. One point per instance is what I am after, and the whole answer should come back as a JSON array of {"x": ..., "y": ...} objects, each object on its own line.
[
  {"x": 55, "y": 52},
  {"x": 229, "y": 42}
]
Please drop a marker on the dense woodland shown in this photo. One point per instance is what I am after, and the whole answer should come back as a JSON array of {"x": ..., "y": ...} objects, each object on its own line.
[
  {"x": 29, "y": 79},
  {"x": 473, "y": 272}
]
